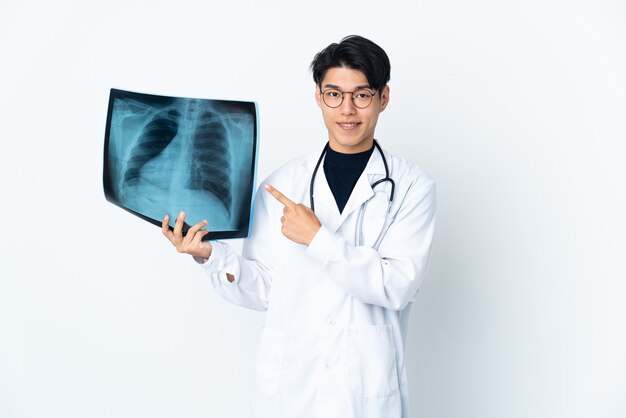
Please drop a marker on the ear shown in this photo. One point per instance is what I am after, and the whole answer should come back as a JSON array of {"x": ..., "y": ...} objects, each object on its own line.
[
  {"x": 318, "y": 98},
  {"x": 384, "y": 97}
]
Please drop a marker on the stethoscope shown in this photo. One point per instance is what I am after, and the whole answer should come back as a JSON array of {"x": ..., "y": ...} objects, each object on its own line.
[{"x": 358, "y": 232}]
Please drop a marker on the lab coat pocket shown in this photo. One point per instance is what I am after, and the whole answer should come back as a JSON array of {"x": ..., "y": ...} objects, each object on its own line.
[
  {"x": 372, "y": 361},
  {"x": 270, "y": 361}
]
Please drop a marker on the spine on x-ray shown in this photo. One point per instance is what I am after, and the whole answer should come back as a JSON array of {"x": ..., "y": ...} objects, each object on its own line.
[{"x": 211, "y": 169}]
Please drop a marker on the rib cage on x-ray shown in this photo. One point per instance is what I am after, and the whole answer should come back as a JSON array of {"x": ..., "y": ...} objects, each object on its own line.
[
  {"x": 211, "y": 169},
  {"x": 207, "y": 152},
  {"x": 154, "y": 138},
  {"x": 166, "y": 154}
]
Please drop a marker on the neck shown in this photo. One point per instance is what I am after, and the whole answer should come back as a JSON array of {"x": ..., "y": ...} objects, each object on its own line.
[{"x": 346, "y": 149}]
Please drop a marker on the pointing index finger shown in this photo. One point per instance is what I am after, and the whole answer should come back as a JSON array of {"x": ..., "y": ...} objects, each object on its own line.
[{"x": 279, "y": 196}]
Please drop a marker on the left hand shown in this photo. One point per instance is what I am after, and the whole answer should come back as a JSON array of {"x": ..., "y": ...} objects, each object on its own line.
[
  {"x": 191, "y": 243},
  {"x": 299, "y": 222}
]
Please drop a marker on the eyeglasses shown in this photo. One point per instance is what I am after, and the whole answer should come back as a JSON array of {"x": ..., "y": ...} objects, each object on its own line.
[{"x": 360, "y": 98}]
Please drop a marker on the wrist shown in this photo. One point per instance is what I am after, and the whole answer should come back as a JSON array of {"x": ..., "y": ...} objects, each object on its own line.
[
  {"x": 206, "y": 251},
  {"x": 315, "y": 231}
]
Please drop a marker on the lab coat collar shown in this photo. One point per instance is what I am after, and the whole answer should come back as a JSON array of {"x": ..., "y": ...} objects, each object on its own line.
[{"x": 325, "y": 205}]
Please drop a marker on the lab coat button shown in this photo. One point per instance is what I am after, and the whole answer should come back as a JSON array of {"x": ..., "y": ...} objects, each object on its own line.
[
  {"x": 327, "y": 365},
  {"x": 332, "y": 322}
]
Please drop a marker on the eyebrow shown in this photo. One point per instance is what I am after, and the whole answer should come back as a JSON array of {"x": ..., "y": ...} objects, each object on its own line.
[{"x": 334, "y": 86}]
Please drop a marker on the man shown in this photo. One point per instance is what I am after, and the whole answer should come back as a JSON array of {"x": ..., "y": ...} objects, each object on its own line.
[{"x": 338, "y": 272}]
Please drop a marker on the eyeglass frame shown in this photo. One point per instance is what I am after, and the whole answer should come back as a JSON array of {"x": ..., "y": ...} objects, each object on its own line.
[{"x": 374, "y": 93}]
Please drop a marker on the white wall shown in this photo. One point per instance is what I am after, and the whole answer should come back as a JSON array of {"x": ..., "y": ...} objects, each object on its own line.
[{"x": 517, "y": 109}]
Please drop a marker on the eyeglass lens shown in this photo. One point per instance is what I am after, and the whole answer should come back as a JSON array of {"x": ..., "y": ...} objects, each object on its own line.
[{"x": 360, "y": 98}]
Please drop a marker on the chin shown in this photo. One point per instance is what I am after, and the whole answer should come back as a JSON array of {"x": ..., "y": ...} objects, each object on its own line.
[
  {"x": 352, "y": 142},
  {"x": 353, "y": 146}
]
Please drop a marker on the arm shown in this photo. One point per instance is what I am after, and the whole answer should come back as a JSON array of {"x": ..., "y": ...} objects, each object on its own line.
[
  {"x": 389, "y": 277},
  {"x": 243, "y": 280}
]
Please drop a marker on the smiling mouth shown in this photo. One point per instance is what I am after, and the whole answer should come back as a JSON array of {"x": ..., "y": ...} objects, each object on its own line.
[{"x": 348, "y": 125}]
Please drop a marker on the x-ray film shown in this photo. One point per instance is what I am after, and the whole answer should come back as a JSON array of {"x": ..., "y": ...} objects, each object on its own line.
[{"x": 164, "y": 155}]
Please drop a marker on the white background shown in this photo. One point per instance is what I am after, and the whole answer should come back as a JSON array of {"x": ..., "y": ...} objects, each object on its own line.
[{"x": 517, "y": 109}]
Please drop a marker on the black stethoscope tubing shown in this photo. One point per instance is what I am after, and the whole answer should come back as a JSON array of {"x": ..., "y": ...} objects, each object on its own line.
[{"x": 376, "y": 183}]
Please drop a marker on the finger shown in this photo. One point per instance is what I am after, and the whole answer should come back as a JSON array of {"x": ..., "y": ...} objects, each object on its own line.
[
  {"x": 191, "y": 232},
  {"x": 198, "y": 237},
  {"x": 165, "y": 227},
  {"x": 197, "y": 227},
  {"x": 279, "y": 196},
  {"x": 178, "y": 228}
]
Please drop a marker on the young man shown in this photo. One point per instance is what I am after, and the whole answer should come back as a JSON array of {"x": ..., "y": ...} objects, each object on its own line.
[{"x": 336, "y": 256}]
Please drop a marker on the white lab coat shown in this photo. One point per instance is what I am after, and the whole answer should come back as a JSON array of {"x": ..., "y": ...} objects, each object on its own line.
[{"x": 337, "y": 314}]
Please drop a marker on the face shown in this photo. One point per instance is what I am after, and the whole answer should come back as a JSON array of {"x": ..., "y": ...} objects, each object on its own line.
[{"x": 350, "y": 129}]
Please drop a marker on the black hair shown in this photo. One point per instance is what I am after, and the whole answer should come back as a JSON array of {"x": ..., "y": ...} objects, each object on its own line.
[{"x": 357, "y": 53}]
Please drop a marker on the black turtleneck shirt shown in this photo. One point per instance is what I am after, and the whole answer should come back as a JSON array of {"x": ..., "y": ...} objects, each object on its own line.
[{"x": 342, "y": 172}]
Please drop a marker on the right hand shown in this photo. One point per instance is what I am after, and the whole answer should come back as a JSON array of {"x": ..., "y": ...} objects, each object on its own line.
[{"x": 192, "y": 242}]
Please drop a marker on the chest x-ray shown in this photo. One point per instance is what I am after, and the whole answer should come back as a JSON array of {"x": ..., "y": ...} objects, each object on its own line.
[{"x": 164, "y": 155}]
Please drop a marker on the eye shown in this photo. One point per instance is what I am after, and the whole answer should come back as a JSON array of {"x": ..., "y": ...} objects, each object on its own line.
[
  {"x": 362, "y": 94},
  {"x": 333, "y": 93}
]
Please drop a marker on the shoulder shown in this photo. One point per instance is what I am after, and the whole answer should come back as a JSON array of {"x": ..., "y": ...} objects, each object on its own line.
[
  {"x": 415, "y": 191},
  {"x": 292, "y": 166},
  {"x": 293, "y": 177},
  {"x": 294, "y": 169},
  {"x": 408, "y": 173}
]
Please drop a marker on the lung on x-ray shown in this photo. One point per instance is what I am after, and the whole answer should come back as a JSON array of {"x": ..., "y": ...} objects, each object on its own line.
[{"x": 164, "y": 155}]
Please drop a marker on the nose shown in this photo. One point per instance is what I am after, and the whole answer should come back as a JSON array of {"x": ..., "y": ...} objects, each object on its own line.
[{"x": 347, "y": 107}]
